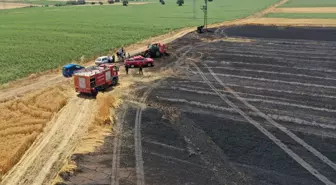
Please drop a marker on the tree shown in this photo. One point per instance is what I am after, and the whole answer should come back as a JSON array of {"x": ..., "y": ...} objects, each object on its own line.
[
  {"x": 125, "y": 2},
  {"x": 180, "y": 2}
]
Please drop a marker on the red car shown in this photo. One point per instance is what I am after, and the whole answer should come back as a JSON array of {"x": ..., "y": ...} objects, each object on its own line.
[{"x": 136, "y": 61}]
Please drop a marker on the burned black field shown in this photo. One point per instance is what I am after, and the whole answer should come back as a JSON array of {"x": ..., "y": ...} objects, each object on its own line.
[{"x": 252, "y": 105}]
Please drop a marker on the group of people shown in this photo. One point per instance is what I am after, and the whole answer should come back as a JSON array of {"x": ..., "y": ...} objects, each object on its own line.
[
  {"x": 121, "y": 53},
  {"x": 111, "y": 59}
]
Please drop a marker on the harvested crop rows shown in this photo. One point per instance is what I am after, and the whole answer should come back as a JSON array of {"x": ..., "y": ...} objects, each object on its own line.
[
  {"x": 256, "y": 112},
  {"x": 23, "y": 119}
]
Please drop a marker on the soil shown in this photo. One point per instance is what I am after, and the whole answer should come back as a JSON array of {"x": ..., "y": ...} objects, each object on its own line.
[
  {"x": 305, "y": 10},
  {"x": 259, "y": 112}
]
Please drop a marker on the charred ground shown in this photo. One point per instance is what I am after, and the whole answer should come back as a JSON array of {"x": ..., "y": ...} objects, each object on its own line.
[{"x": 191, "y": 135}]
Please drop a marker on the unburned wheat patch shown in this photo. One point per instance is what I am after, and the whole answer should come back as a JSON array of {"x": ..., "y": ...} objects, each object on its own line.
[{"x": 23, "y": 119}]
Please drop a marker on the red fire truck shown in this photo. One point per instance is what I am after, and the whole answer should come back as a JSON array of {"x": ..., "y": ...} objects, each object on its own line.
[{"x": 95, "y": 78}]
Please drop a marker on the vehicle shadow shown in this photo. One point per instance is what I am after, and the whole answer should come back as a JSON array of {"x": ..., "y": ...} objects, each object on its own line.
[{"x": 91, "y": 96}]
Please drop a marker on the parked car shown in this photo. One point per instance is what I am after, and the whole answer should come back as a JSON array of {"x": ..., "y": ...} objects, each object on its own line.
[
  {"x": 136, "y": 61},
  {"x": 69, "y": 69},
  {"x": 103, "y": 60}
]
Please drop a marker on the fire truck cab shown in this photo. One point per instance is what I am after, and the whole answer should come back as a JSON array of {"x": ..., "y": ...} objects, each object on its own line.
[{"x": 95, "y": 78}]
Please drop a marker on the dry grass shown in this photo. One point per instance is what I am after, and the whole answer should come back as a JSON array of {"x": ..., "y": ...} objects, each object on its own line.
[
  {"x": 5, "y": 5},
  {"x": 305, "y": 10},
  {"x": 291, "y": 22},
  {"x": 105, "y": 102},
  {"x": 23, "y": 119}
]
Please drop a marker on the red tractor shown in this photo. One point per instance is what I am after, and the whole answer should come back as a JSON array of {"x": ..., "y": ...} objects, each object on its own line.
[
  {"x": 96, "y": 78},
  {"x": 155, "y": 50}
]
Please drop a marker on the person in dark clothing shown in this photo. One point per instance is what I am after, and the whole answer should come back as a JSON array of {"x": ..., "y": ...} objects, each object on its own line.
[
  {"x": 126, "y": 67},
  {"x": 140, "y": 70}
]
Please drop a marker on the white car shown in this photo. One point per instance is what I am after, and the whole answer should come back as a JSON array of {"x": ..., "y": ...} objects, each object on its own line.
[{"x": 102, "y": 60}]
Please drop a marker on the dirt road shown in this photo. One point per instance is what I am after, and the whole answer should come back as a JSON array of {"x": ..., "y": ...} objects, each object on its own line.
[{"x": 42, "y": 162}]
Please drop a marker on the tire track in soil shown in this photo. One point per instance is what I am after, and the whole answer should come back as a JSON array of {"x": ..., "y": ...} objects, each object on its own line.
[
  {"x": 46, "y": 155},
  {"x": 278, "y": 142},
  {"x": 116, "y": 149},
  {"x": 277, "y": 125},
  {"x": 140, "y": 175}
]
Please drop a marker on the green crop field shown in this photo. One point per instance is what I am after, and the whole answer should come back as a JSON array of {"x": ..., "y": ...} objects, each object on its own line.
[
  {"x": 41, "y": 38},
  {"x": 303, "y": 15},
  {"x": 310, "y": 3}
]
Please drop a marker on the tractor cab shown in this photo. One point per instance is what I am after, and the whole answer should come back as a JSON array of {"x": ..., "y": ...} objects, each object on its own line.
[{"x": 155, "y": 50}]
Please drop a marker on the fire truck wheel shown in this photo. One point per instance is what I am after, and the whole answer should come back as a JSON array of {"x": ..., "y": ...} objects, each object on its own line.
[
  {"x": 94, "y": 93},
  {"x": 114, "y": 82},
  {"x": 132, "y": 66},
  {"x": 149, "y": 64}
]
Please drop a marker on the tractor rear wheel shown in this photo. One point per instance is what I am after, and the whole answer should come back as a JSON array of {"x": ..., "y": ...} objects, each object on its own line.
[{"x": 157, "y": 54}]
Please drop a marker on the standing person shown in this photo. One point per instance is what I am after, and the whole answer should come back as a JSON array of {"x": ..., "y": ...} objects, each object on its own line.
[
  {"x": 140, "y": 69},
  {"x": 126, "y": 67}
]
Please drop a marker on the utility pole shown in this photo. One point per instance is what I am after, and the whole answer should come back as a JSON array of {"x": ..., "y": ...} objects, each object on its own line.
[
  {"x": 205, "y": 10},
  {"x": 194, "y": 8}
]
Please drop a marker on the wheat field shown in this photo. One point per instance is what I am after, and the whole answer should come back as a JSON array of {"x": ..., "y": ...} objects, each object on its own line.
[{"x": 23, "y": 119}]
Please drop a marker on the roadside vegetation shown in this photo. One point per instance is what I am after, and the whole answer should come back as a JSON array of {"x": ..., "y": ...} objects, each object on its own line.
[
  {"x": 309, "y": 3},
  {"x": 42, "y": 38}
]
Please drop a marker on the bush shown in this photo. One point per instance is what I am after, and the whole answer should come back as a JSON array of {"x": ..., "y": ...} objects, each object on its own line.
[
  {"x": 59, "y": 4},
  {"x": 101, "y": 3},
  {"x": 162, "y": 2},
  {"x": 125, "y": 3},
  {"x": 180, "y": 2},
  {"x": 71, "y": 3},
  {"x": 81, "y": 2},
  {"x": 93, "y": 3},
  {"x": 110, "y": 1}
]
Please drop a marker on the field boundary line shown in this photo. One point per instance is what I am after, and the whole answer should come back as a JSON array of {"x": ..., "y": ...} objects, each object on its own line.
[
  {"x": 268, "y": 89},
  {"x": 276, "y": 124},
  {"x": 272, "y": 65},
  {"x": 274, "y": 72},
  {"x": 263, "y": 100},
  {"x": 276, "y": 81},
  {"x": 278, "y": 142}
]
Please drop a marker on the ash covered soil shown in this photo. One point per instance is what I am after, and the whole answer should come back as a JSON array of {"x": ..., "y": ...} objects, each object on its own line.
[{"x": 252, "y": 105}]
